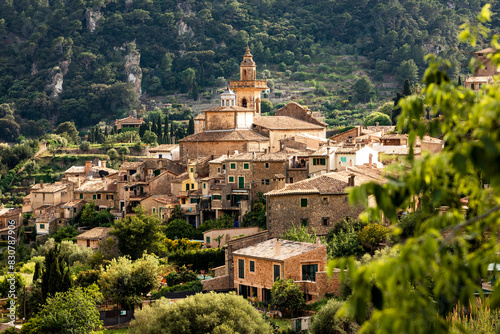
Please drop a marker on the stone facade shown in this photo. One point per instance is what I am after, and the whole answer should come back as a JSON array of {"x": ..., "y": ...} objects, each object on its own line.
[
  {"x": 209, "y": 237},
  {"x": 295, "y": 110},
  {"x": 347, "y": 135},
  {"x": 321, "y": 213},
  {"x": 193, "y": 149},
  {"x": 216, "y": 283}
]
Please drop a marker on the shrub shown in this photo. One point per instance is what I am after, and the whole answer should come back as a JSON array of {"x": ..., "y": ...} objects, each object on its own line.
[
  {"x": 325, "y": 321},
  {"x": 345, "y": 243},
  {"x": 222, "y": 313},
  {"x": 373, "y": 235},
  {"x": 201, "y": 259},
  {"x": 287, "y": 297},
  {"x": 123, "y": 151},
  {"x": 85, "y": 146},
  {"x": 179, "y": 228},
  {"x": 181, "y": 276},
  {"x": 190, "y": 286},
  {"x": 112, "y": 154}
]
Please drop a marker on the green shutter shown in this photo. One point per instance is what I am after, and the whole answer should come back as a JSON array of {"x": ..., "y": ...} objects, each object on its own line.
[
  {"x": 246, "y": 165},
  {"x": 303, "y": 202},
  {"x": 233, "y": 165},
  {"x": 81, "y": 196},
  {"x": 314, "y": 162}
]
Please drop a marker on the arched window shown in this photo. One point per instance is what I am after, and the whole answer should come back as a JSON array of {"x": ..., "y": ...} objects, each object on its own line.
[
  {"x": 244, "y": 74},
  {"x": 244, "y": 103}
]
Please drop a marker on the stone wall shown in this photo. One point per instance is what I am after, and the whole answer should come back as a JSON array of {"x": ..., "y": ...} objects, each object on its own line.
[
  {"x": 275, "y": 136},
  {"x": 217, "y": 283},
  {"x": 293, "y": 143},
  {"x": 295, "y": 110},
  {"x": 285, "y": 211},
  {"x": 220, "y": 271},
  {"x": 344, "y": 136},
  {"x": 261, "y": 172},
  {"x": 326, "y": 284},
  {"x": 192, "y": 150},
  {"x": 239, "y": 243}
]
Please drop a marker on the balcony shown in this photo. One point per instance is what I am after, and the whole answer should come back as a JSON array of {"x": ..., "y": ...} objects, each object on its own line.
[
  {"x": 262, "y": 84},
  {"x": 190, "y": 209}
]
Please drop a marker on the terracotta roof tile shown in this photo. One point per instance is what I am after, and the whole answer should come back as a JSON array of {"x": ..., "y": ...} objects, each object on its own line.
[
  {"x": 287, "y": 249},
  {"x": 131, "y": 165},
  {"x": 48, "y": 187},
  {"x": 164, "y": 148},
  {"x": 284, "y": 123},
  {"x": 214, "y": 136},
  {"x": 97, "y": 233}
]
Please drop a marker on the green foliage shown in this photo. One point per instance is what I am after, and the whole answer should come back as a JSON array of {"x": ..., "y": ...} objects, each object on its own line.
[
  {"x": 124, "y": 280},
  {"x": 344, "y": 243},
  {"x": 183, "y": 244},
  {"x": 65, "y": 233},
  {"x": 266, "y": 106},
  {"x": 138, "y": 234},
  {"x": 443, "y": 249},
  {"x": 386, "y": 109},
  {"x": 222, "y": 313},
  {"x": 112, "y": 154},
  {"x": 90, "y": 217},
  {"x": 73, "y": 311},
  {"x": 201, "y": 259},
  {"x": 377, "y": 118},
  {"x": 373, "y": 235},
  {"x": 287, "y": 297},
  {"x": 300, "y": 234},
  {"x": 179, "y": 229},
  {"x": 326, "y": 322},
  {"x": 363, "y": 89},
  {"x": 68, "y": 130},
  {"x": 123, "y": 151},
  {"x": 226, "y": 221},
  {"x": 183, "y": 275},
  {"x": 150, "y": 138},
  {"x": 407, "y": 70},
  {"x": 17, "y": 280},
  {"x": 256, "y": 216},
  {"x": 84, "y": 146},
  {"x": 189, "y": 286},
  {"x": 55, "y": 274}
]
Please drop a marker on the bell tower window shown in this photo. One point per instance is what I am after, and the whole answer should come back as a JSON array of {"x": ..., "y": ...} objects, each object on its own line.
[{"x": 244, "y": 103}]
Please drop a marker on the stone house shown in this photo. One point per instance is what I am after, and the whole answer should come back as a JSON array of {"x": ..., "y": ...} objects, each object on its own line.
[
  {"x": 165, "y": 151},
  {"x": 76, "y": 174},
  {"x": 159, "y": 205},
  {"x": 93, "y": 237},
  {"x": 71, "y": 209},
  {"x": 210, "y": 236},
  {"x": 8, "y": 215},
  {"x": 48, "y": 194},
  {"x": 257, "y": 267},
  {"x": 128, "y": 123},
  {"x": 103, "y": 192},
  {"x": 484, "y": 71},
  {"x": 318, "y": 202}
]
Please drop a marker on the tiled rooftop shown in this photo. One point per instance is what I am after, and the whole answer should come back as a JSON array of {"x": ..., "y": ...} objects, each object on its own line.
[
  {"x": 164, "y": 148},
  {"x": 97, "y": 233},
  {"x": 236, "y": 135},
  {"x": 48, "y": 187},
  {"x": 229, "y": 108},
  {"x": 131, "y": 165},
  {"x": 97, "y": 185},
  {"x": 287, "y": 249},
  {"x": 284, "y": 123}
]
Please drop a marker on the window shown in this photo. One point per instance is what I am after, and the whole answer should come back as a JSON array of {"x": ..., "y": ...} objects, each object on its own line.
[
  {"x": 241, "y": 268},
  {"x": 324, "y": 221},
  {"x": 74, "y": 210},
  {"x": 233, "y": 165},
  {"x": 204, "y": 186},
  {"x": 208, "y": 240},
  {"x": 228, "y": 197},
  {"x": 346, "y": 199},
  {"x": 480, "y": 86},
  {"x": 252, "y": 266},
  {"x": 325, "y": 200},
  {"x": 110, "y": 197},
  {"x": 304, "y": 222},
  {"x": 98, "y": 196},
  {"x": 472, "y": 86},
  {"x": 291, "y": 180},
  {"x": 187, "y": 186},
  {"x": 223, "y": 166},
  {"x": 42, "y": 226},
  {"x": 191, "y": 169},
  {"x": 266, "y": 182},
  {"x": 343, "y": 159},
  {"x": 303, "y": 202},
  {"x": 81, "y": 196},
  {"x": 231, "y": 179},
  {"x": 43, "y": 199},
  {"x": 218, "y": 169},
  {"x": 277, "y": 269},
  {"x": 94, "y": 196},
  {"x": 319, "y": 161},
  {"x": 154, "y": 210},
  {"x": 266, "y": 165},
  {"x": 218, "y": 197},
  {"x": 309, "y": 272},
  {"x": 192, "y": 185},
  {"x": 246, "y": 165}
]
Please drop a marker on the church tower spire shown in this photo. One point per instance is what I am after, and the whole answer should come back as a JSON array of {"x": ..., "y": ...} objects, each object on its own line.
[{"x": 248, "y": 89}]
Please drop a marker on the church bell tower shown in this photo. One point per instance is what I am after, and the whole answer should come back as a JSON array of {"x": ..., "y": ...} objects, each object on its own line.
[{"x": 248, "y": 89}]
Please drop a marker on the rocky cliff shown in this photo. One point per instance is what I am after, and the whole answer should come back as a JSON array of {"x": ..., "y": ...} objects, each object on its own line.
[{"x": 133, "y": 70}]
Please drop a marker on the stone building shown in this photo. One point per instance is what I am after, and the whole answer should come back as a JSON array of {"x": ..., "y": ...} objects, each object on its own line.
[
  {"x": 8, "y": 215},
  {"x": 210, "y": 237},
  {"x": 103, "y": 192},
  {"x": 257, "y": 267},
  {"x": 165, "y": 151},
  {"x": 92, "y": 238},
  {"x": 484, "y": 71},
  {"x": 128, "y": 123},
  {"x": 318, "y": 202}
]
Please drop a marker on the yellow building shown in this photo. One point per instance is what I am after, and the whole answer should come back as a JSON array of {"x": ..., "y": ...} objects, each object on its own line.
[{"x": 248, "y": 89}]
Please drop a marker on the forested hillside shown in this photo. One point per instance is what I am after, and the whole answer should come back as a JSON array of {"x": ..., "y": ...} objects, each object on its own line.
[{"x": 89, "y": 60}]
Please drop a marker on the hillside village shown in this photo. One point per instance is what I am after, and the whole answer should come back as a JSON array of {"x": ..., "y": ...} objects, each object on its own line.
[{"x": 236, "y": 158}]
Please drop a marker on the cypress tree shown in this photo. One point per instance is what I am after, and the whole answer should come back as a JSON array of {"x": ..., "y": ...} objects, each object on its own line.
[
  {"x": 459, "y": 81},
  {"x": 153, "y": 126},
  {"x": 166, "y": 137},
  {"x": 55, "y": 275},
  {"x": 158, "y": 127},
  {"x": 195, "y": 92},
  {"x": 106, "y": 131},
  {"x": 406, "y": 88},
  {"x": 191, "y": 126}
]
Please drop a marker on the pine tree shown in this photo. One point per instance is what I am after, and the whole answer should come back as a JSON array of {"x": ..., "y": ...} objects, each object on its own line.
[
  {"x": 459, "y": 81},
  {"x": 106, "y": 131}
]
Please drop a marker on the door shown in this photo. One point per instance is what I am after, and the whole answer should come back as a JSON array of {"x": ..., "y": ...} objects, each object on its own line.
[{"x": 241, "y": 182}]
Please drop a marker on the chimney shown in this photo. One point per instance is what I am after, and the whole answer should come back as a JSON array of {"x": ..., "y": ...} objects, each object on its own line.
[
  {"x": 328, "y": 159},
  {"x": 103, "y": 163},
  {"x": 370, "y": 160},
  {"x": 350, "y": 182},
  {"x": 278, "y": 247},
  {"x": 350, "y": 162},
  {"x": 88, "y": 164},
  {"x": 318, "y": 241},
  {"x": 41, "y": 184}
]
